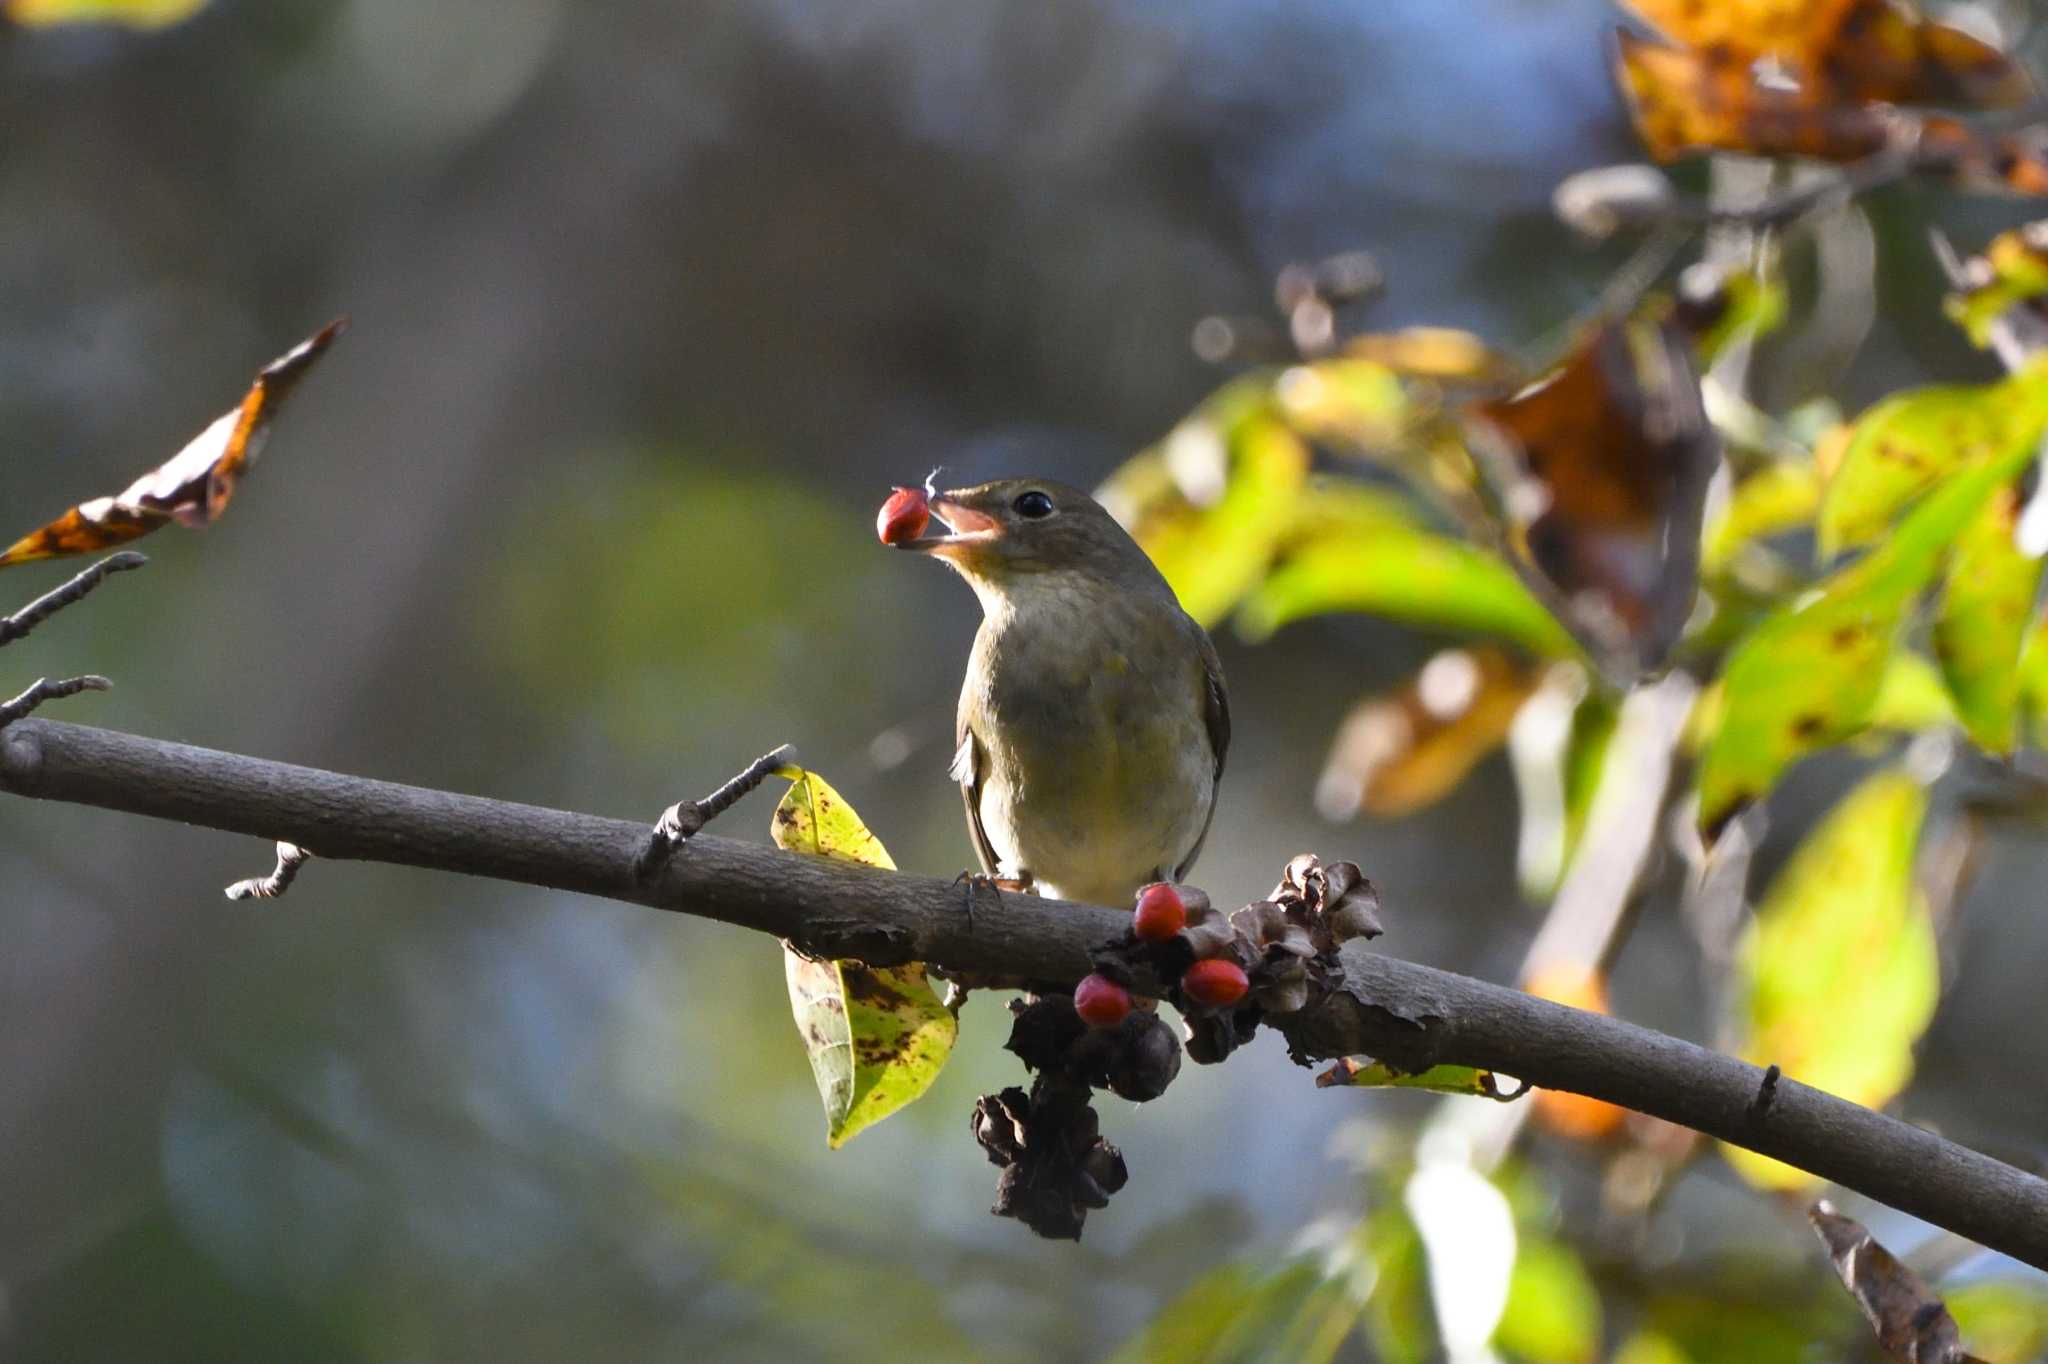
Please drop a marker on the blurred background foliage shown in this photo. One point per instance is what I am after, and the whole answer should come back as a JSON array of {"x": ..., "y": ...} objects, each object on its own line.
[{"x": 651, "y": 303}]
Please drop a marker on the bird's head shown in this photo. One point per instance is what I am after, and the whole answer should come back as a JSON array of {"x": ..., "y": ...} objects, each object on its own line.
[{"x": 1003, "y": 536}]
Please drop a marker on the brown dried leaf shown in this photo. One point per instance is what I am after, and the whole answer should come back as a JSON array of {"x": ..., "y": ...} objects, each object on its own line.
[
  {"x": 1606, "y": 462},
  {"x": 194, "y": 485},
  {"x": 1404, "y": 750},
  {"x": 1912, "y": 1324}
]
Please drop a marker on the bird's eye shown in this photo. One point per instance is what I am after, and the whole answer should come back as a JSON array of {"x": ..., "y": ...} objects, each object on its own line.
[{"x": 1033, "y": 504}]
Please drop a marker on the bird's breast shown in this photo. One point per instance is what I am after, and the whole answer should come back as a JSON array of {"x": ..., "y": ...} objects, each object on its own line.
[{"x": 1099, "y": 771}]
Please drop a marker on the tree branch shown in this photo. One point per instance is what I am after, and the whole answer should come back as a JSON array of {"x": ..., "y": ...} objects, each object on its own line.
[{"x": 1410, "y": 1015}]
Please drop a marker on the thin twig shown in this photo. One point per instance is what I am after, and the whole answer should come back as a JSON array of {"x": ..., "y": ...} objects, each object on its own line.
[
  {"x": 44, "y": 689},
  {"x": 290, "y": 857},
  {"x": 685, "y": 818},
  {"x": 50, "y": 603}
]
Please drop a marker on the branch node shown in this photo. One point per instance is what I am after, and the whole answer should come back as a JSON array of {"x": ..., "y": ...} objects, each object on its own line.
[
  {"x": 50, "y": 603},
  {"x": 683, "y": 820},
  {"x": 44, "y": 689},
  {"x": 290, "y": 857},
  {"x": 1766, "y": 1094}
]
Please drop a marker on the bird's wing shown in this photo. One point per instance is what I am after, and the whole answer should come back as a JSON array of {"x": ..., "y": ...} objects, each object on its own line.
[
  {"x": 1216, "y": 716},
  {"x": 968, "y": 761}
]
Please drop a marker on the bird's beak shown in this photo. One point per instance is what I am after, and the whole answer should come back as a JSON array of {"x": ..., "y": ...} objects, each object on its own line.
[{"x": 966, "y": 528}]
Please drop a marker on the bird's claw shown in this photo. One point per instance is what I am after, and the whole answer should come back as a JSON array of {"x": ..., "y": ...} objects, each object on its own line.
[{"x": 981, "y": 880}]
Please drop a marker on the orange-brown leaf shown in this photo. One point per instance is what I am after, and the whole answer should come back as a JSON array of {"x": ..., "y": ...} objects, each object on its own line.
[
  {"x": 1405, "y": 750},
  {"x": 194, "y": 485},
  {"x": 1610, "y": 455},
  {"x": 1691, "y": 100}
]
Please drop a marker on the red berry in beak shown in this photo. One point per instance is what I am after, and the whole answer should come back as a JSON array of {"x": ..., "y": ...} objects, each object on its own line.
[
  {"x": 903, "y": 517},
  {"x": 1216, "y": 983},
  {"x": 1160, "y": 913},
  {"x": 1101, "y": 1002}
]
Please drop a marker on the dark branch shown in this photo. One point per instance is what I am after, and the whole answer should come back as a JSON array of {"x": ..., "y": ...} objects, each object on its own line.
[
  {"x": 1409, "y": 1015},
  {"x": 50, "y": 603},
  {"x": 43, "y": 689},
  {"x": 683, "y": 820}
]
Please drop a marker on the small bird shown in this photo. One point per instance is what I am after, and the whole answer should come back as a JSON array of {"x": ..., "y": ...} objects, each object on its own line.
[{"x": 1093, "y": 720}]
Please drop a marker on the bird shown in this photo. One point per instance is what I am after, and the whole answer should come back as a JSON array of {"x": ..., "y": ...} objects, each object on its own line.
[{"x": 1093, "y": 720}]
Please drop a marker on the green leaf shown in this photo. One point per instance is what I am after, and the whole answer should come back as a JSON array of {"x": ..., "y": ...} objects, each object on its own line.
[
  {"x": 133, "y": 13},
  {"x": 1553, "y": 1311},
  {"x": 1909, "y": 443},
  {"x": 1837, "y": 976},
  {"x": 1242, "y": 1313},
  {"x": 877, "y": 1036},
  {"x": 1248, "y": 468},
  {"x": 1912, "y": 699},
  {"x": 1362, "y": 1072},
  {"x": 1775, "y": 499},
  {"x": 1809, "y": 675},
  {"x": 1410, "y": 575},
  {"x": 2001, "y": 1318},
  {"x": 1987, "y": 604}
]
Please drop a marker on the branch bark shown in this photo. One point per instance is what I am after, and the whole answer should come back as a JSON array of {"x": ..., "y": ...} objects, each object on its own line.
[{"x": 1410, "y": 1015}]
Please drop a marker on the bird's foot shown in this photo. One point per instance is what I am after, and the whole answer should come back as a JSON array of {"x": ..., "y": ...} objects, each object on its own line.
[
  {"x": 681, "y": 821},
  {"x": 977, "y": 881}
]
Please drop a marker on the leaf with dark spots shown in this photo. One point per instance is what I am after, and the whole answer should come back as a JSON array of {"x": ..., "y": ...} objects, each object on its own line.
[
  {"x": 194, "y": 485},
  {"x": 1605, "y": 463},
  {"x": 1827, "y": 655},
  {"x": 1838, "y": 975},
  {"x": 877, "y": 1036},
  {"x": 1908, "y": 443},
  {"x": 1982, "y": 622},
  {"x": 1913, "y": 1325}
]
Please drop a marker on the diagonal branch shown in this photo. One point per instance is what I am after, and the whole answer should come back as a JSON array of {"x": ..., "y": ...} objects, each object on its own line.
[{"x": 1410, "y": 1015}]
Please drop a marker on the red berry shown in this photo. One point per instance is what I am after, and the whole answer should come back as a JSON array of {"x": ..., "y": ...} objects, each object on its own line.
[
  {"x": 1101, "y": 1002},
  {"x": 1216, "y": 983},
  {"x": 903, "y": 517},
  {"x": 1160, "y": 913}
]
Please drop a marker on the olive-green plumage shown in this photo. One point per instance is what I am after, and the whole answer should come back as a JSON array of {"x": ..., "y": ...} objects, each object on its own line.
[{"x": 1093, "y": 721}]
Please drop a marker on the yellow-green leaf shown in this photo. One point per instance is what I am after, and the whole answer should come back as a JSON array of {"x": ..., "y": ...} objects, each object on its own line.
[
  {"x": 1987, "y": 604},
  {"x": 877, "y": 1036},
  {"x": 1809, "y": 675},
  {"x": 134, "y": 13},
  {"x": 2001, "y": 1318},
  {"x": 1910, "y": 442},
  {"x": 1779, "y": 498},
  {"x": 1413, "y": 575},
  {"x": 1362, "y": 1072},
  {"x": 2014, "y": 270},
  {"x": 1212, "y": 502},
  {"x": 1838, "y": 975},
  {"x": 1553, "y": 1311}
]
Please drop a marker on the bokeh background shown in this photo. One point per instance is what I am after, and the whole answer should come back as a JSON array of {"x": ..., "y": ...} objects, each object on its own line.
[{"x": 651, "y": 302}]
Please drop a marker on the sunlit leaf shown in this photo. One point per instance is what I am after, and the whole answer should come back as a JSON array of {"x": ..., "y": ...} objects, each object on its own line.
[
  {"x": 1837, "y": 976},
  {"x": 194, "y": 485},
  {"x": 1415, "y": 576},
  {"x": 877, "y": 1036},
  {"x": 1908, "y": 443},
  {"x": 1553, "y": 1311},
  {"x": 2012, "y": 271},
  {"x": 1212, "y": 502},
  {"x": 1746, "y": 305},
  {"x": 1810, "y": 674},
  {"x": 1362, "y": 1072},
  {"x": 1434, "y": 353},
  {"x": 1608, "y": 459},
  {"x": 1404, "y": 750},
  {"x": 2002, "y": 1318},
  {"x": 1981, "y": 624},
  {"x": 1685, "y": 101},
  {"x": 1779, "y": 497},
  {"x": 133, "y": 13},
  {"x": 1912, "y": 698},
  {"x": 1911, "y": 1323}
]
